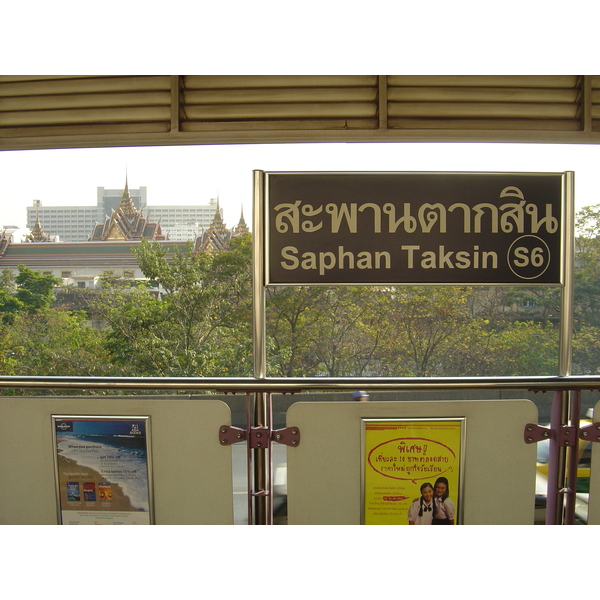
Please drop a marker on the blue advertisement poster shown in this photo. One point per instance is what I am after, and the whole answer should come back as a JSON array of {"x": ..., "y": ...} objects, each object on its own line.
[{"x": 102, "y": 470}]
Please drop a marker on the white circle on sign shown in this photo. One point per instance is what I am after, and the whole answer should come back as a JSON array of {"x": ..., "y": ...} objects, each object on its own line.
[{"x": 528, "y": 257}]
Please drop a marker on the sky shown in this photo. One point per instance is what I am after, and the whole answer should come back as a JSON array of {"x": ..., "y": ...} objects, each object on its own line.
[
  {"x": 391, "y": 37},
  {"x": 195, "y": 174}
]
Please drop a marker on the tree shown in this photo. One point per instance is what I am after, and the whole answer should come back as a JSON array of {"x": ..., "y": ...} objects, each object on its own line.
[
  {"x": 53, "y": 342},
  {"x": 33, "y": 292},
  {"x": 134, "y": 338},
  {"x": 201, "y": 327},
  {"x": 525, "y": 348},
  {"x": 343, "y": 340},
  {"x": 424, "y": 322},
  {"x": 291, "y": 316}
]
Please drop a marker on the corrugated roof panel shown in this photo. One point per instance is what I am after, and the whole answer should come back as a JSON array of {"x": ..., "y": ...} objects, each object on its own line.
[
  {"x": 57, "y": 111},
  {"x": 281, "y": 101},
  {"x": 212, "y": 82},
  {"x": 537, "y": 103},
  {"x": 43, "y": 85},
  {"x": 493, "y": 81},
  {"x": 88, "y": 105},
  {"x": 595, "y": 103}
]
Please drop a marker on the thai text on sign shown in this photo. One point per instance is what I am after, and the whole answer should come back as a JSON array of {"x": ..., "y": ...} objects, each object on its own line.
[{"x": 411, "y": 228}]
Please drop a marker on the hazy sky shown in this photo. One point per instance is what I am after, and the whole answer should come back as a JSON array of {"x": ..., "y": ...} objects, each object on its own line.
[
  {"x": 322, "y": 38},
  {"x": 195, "y": 174}
]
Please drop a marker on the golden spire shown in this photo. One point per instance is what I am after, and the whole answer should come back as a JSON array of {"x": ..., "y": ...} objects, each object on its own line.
[
  {"x": 217, "y": 225},
  {"x": 241, "y": 227},
  {"x": 217, "y": 235},
  {"x": 127, "y": 207},
  {"x": 37, "y": 233}
]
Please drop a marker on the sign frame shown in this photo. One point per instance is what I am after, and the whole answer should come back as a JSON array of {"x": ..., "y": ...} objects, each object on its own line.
[
  {"x": 115, "y": 465},
  {"x": 332, "y": 205},
  {"x": 396, "y": 491}
]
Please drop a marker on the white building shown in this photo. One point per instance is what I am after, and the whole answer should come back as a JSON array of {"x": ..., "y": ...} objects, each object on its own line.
[{"x": 76, "y": 223}]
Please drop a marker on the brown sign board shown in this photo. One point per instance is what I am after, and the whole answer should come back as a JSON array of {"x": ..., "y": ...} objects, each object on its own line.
[{"x": 394, "y": 228}]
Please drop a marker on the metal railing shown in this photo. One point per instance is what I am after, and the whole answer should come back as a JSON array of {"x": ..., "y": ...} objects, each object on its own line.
[{"x": 301, "y": 384}]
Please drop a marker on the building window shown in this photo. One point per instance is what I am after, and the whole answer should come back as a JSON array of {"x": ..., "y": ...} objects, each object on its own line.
[
  {"x": 65, "y": 274},
  {"x": 81, "y": 284}
]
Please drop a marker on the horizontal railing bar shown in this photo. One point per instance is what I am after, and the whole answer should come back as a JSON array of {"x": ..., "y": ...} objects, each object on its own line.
[{"x": 294, "y": 385}]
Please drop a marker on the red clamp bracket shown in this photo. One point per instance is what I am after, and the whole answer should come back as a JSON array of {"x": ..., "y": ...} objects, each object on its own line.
[
  {"x": 565, "y": 436},
  {"x": 231, "y": 435},
  {"x": 590, "y": 433},
  {"x": 289, "y": 436},
  {"x": 534, "y": 433},
  {"x": 259, "y": 436}
]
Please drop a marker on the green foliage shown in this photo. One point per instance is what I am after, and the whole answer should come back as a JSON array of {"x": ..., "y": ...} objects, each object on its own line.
[
  {"x": 7, "y": 281},
  {"x": 525, "y": 348},
  {"x": 586, "y": 351},
  {"x": 199, "y": 326},
  {"x": 427, "y": 321},
  {"x": 198, "y": 322},
  {"x": 52, "y": 342},
  {"x": 291, "y": 316},
  {"x": 341, "y": 341},
  {"x": 31, "y": 293}
]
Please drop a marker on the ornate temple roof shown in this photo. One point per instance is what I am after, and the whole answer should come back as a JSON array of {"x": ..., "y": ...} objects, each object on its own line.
[
  {"x": 37, "y": 233},
  {"x": 217, "y": 236},
  {"x": 127, "y": 223},
  {"x": 109, "y": 246},
  {"x": 241, "y": 227}
]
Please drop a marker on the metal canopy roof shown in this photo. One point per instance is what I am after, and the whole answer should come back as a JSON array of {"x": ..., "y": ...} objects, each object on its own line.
[{"x": 154, "y": 110}]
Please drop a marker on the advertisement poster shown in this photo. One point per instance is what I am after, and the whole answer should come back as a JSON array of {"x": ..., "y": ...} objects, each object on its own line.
[
  {"x": 102, "y": 470},
  {"x": 412, "y": 471}
]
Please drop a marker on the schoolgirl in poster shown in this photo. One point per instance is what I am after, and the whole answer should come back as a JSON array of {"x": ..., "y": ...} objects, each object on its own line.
[
  {"x": 443, "y": 513},
  {"x": 420, "y": 512}
]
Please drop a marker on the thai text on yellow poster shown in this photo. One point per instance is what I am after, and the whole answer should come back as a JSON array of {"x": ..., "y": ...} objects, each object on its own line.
[{"x": 412, "y": 471}]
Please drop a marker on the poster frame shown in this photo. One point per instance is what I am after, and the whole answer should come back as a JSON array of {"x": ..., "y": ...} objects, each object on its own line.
[
  {"x": 105, "y": 418},
  {"x": 462, "y": 421}
]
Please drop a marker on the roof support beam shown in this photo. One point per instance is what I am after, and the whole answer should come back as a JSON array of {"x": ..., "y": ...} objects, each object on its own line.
[{"x": 175, "y": 102}]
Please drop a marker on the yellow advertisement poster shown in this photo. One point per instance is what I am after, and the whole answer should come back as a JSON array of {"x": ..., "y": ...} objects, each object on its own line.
[{"x": 412, "y": 471}]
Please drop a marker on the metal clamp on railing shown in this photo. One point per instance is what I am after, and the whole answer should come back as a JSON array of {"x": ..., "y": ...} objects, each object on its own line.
[
  {"x": 231, "y": 435},
  {"x": 565, "y": 435},
  {"x": 535, "y": 433},
  {"x": 590, "y": 433},
  {"x": 259, "y": 436}
]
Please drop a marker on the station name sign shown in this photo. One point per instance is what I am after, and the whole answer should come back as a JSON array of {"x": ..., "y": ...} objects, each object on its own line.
[{"x": 413, "y": 228}]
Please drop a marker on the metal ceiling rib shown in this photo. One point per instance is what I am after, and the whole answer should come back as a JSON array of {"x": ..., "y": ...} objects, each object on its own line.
[{"x": 95, "y": 111}]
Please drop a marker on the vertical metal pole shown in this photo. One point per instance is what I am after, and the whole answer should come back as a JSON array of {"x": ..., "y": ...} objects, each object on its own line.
[
  {"x": 566, "y": 309},
  {"x": 258, "y": 276},
  {"x": 570, "y": 402},
  {"x": 572, "y": 460},
  {"x": 560, "y": 403},
  {"x": 261, "y": 473},
  {"x": 250, "y": 487},
  {"x": 554, "y": 498},
  {"x": 261, "y": 477},
  {"x": 263, "y": 463}
]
